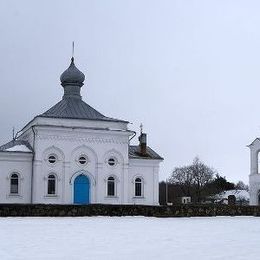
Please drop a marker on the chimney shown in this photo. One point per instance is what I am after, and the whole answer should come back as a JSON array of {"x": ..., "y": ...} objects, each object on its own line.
[{"x": 143, "y": 144}]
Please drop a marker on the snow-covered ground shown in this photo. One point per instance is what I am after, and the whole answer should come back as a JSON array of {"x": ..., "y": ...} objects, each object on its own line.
[{"x": 130, "y": 238}]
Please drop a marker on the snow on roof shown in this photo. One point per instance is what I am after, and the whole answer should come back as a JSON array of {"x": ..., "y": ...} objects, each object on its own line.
[
  {"x": 239, "y": 194},
  {"x": 18, "y": 148}
]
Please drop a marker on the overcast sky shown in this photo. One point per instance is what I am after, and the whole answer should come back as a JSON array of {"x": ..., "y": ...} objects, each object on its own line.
[{"x": 188, "y": 70}]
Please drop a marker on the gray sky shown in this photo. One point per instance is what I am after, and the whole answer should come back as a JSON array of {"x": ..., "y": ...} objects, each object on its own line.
[{"x": 188, "y": 70}]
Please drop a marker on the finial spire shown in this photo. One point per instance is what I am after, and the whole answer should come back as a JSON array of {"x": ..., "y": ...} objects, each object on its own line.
[
  {"x": 72, "y": 53},
  {"x": 13, "y": 133},
  {"x": 141, "y": 128}
]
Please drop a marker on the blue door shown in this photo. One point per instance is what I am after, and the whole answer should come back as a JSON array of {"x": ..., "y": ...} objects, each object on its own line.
[{"x": 81, "y": 190}]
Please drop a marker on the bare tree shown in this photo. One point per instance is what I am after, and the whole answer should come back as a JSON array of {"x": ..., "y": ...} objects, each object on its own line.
[
  {"x": 192, "y": 177},
  {"x": 202, "y": 175},
  {"x": 183, "y": 177}
]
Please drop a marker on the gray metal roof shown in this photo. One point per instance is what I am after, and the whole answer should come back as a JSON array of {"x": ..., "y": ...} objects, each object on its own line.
[
  {"x": 256, "y": 139},
  {"x": 72, "y": 106},
  {"x": 75, "y": 108},
  {"x": 134, "y": 153},
  {"x": 14, "y": 143}
]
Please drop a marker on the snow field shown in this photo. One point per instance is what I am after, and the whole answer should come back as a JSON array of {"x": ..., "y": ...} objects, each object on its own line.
[{"x": 130, "y": 238}]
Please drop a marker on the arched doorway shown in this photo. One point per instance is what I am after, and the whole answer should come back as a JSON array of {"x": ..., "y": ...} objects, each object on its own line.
[{"x": 81, "y": 189}]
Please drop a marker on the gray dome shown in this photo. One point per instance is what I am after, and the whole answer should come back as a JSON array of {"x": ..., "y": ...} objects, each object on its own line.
[{"x": 72, "y": 75}]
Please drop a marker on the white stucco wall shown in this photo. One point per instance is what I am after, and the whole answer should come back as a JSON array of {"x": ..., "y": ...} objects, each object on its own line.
[
  {"x": 148, "y": 171},
  {"x": 20, "y": 163},
  {"x": 68, "y": 143}
]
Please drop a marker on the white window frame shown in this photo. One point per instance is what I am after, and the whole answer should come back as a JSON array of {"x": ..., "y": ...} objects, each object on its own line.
[
  {"x": 56, "y": 159},
  {"x": 47, "y": 185},
  {"x": 115, "y": 187},
  {"x": 142, "y": 187},
  {"x": 115, "y": 160},
  {"x": 18, "y": 186},
  {"x": 78, "y": 160}
]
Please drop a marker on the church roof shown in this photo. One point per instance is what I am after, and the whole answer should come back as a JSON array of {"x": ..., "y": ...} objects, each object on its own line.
[
  {"x": 16, "y": 146},
  {"x": 134, "y": 153},
  {"x": 72, "y": 106},
  {"x": 75, "y": 108}
]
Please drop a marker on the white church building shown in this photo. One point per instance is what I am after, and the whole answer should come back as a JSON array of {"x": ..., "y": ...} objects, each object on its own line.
[
  {"x": 72, "y": 154},
  {"x": 254, "y": 177}
]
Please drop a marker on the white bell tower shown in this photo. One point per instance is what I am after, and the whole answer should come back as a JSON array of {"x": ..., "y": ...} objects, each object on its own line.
[{"x": 254, "y": 177}]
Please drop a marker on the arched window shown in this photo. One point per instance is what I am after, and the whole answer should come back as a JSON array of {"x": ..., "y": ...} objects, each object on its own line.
[
  {"x": 14, "y": 183},
  {"x": 111, "y": 191},
  {"x": 51, "y": 184},
  {"x": 138, "y": 187}
]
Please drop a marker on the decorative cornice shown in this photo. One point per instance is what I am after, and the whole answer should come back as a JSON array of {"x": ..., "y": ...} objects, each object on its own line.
[{"x": 78, "y": 138}]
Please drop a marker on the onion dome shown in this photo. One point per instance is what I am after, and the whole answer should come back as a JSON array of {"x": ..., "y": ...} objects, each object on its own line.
[
  {"x": 72, "y": 75},
  {"x": 72, "y": 80}
]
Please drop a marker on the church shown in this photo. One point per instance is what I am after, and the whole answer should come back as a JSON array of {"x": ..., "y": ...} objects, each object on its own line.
[{"x": 73, "y": 154}]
